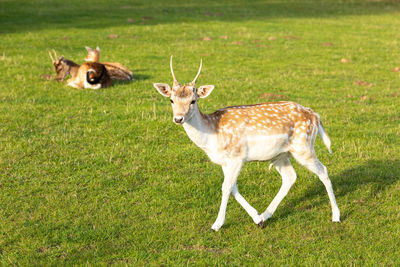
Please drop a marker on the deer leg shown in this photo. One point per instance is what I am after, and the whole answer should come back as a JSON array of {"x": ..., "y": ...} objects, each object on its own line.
[
  {"x": 74, "y": 83},
  {"x": 314, "y": 165},
  {"x": 288, "y": 174},
  {"x": 249, "y": 209},
  {"x": 231, "y": 172}
]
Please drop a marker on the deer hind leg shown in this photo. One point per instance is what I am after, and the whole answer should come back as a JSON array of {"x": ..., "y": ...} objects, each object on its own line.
[
  {"x": 231, "y": 172},
  {"x": 312, "y": 163},
  {"x": 91, "y": 86},
  {"x": 285, "y": 169}
]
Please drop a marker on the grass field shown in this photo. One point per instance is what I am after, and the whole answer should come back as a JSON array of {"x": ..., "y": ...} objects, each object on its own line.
[{"x": 105, "y": 177}]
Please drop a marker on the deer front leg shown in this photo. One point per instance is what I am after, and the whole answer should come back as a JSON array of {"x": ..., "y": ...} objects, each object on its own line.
[
  {"x": 231, "y": 172},
  {"x": 73, "y": 83},
  {"x": 249, "y": 209}
]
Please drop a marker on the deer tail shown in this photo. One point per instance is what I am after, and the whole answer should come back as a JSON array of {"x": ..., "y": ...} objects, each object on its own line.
[{"x": 324, "y": 136}]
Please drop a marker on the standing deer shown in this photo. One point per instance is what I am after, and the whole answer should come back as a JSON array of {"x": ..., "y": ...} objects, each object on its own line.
[{"x": 274, "y": 131}]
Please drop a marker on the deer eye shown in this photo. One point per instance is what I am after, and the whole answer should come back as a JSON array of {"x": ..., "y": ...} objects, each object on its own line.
[
  {"x": 172, "y": 101},
  {"x": 193, "y": 101}
]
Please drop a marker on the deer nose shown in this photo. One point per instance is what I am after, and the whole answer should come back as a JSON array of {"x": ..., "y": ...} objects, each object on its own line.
[{"x": 178, "y": 119}]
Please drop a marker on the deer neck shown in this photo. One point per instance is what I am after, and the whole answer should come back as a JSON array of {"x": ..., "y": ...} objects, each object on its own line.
[
  {"x": 73, "y": 67},
  {"x": 201, "y": 130}
]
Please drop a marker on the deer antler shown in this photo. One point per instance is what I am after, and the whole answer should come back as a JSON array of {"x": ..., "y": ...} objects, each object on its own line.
[
  {"x": 193, "y": 83},
  {"x": 173, "y": 75},
  {"x": 55, "y": 59},
  {"x": 55, "y": 54},
  {"x": 52, "y": 59}
]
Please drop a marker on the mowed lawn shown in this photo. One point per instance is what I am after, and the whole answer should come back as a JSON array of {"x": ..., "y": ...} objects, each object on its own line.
[{"x": 105, "y": 177}]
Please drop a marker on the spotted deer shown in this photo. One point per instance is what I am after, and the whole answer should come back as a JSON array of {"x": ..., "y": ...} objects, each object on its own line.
[{"x": 274, "y": 131}]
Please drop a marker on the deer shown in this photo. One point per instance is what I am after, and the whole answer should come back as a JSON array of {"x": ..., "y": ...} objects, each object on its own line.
[
  {"x": 116, "y": 70},
  {"x": 63, "y": 66},
  {"x": 231, "y": 136},
  {"x": 91, "y": 75}
]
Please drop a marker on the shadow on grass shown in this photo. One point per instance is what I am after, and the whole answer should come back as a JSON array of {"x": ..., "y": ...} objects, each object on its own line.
[
  {"x": 140, "y": 77},
  {"x": 375, "y": 174},
  {"x": 23, "y": 15},
  {"x": 135, "y": 77}
]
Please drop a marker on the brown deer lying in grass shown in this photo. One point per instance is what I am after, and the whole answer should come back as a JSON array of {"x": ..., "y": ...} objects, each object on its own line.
[
  {"x": 91, "y": 75},
  {"x": 231, "y": 136},
  {"x": 116, "y": 70}
]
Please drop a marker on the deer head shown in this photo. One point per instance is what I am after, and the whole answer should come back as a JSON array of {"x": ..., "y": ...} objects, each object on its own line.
[
  {"x": 61, "y": 67},
  {"x": 93, "y": 54},
  {"x": 183, "y": 97}
]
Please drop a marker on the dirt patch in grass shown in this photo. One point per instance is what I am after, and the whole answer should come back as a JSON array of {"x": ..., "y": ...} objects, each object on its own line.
[
  {"x": 327, "y": 44},
  {"x": 362, "y": 83},
  {"x": 365, "y": 97},
  {"x": 237, "y": 43},
  {"x": 205, "y": 38},
  {"x": 291, "y": 37}
]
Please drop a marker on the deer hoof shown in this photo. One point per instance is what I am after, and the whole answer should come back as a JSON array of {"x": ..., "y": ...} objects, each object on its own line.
[{"x": 261, "y": 224}]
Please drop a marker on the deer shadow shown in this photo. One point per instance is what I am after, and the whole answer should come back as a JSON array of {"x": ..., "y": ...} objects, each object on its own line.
[
  {"x": 136, "y": 76},
  {"x": 140, "y": 77},
  {"x": 376, "y": 174}
]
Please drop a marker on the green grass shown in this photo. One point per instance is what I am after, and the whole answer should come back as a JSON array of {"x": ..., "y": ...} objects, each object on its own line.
[{"x": 105, "y": 177}]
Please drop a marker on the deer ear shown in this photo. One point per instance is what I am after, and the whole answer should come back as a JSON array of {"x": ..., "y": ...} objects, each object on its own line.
[
  {"x": 98, "y": 48},
  {"x": 88, "y": 48},
  {"x": 163, "y": 88},
  {"x": 204, "y": 90}
]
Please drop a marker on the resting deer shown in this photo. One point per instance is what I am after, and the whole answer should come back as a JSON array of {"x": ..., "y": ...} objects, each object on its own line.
[
  {"x": 116, "y": 70},
  {"x": 88, "y": 75},
  {"x": 274, "y": 131},
  {"x": 63, "y": 66}
]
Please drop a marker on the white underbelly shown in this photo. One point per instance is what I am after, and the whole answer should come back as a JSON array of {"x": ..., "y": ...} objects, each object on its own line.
[
  {"x": 91, "y": 86},
  {"x": 265, "y": 147}
]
